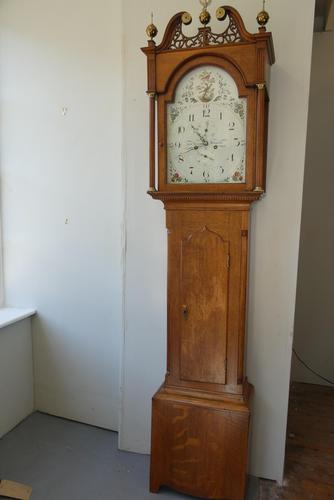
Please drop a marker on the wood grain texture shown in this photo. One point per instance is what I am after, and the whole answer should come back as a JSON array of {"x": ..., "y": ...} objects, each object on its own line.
[
  {"x": 188, "y": 439},
  {"x": 200, "y": 417},
  {"x": 9, "y": 489},
  {"x": 207, "y": 274},
  {"x": 247, "y": 62},
  {"x": 188, "y": 64},
  {"x": 201, "y": 414},
  {"x": 309, "y": 470},
  {"x": 204, "y": 274},
  {"x": 152, "y": 141}
]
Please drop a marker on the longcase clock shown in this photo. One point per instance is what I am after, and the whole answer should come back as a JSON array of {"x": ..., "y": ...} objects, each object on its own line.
[{"x": 208, "y": 130}]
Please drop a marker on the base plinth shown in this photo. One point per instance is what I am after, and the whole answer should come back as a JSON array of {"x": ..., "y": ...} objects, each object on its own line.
[{"x": 199, "y": 446}]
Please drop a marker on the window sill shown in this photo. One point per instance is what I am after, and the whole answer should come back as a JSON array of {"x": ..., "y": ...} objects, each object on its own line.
[{"x": 10, "y": 315}]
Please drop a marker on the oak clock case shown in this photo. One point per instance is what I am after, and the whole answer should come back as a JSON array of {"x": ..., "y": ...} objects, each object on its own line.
[{"x": 208, "y": 109}]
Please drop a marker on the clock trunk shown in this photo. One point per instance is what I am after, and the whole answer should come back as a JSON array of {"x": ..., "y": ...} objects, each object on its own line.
[{"x": 207, "y": 275}]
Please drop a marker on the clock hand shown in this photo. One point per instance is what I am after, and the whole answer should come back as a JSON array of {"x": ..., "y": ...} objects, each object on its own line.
[
  {"x": 208, "y": 157},
  {"x": 203, "y": 139},
  {"x": 194, "y": 148}
]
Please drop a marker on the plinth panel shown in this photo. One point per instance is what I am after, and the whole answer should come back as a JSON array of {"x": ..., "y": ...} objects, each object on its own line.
[{"x": 199, "y": 446}]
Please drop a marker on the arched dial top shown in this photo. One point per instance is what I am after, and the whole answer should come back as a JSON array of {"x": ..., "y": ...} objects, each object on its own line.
[{"x": 206, "y": 129}]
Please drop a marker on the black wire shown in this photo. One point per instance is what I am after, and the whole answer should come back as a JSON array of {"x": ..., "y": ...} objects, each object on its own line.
[{"x": 309, "y": 368}]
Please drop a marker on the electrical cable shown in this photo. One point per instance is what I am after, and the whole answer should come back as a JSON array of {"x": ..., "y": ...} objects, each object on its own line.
[{"x": 310, "y": 369}]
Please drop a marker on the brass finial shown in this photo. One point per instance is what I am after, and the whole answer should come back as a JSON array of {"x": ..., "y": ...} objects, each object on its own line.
[
  {"x": 151, "y": 30},
  {"x": 263, "y": 17},
  {"x": 221, "y": 14},
  {"x": 205, "y": 16},
  {"x": 186, "y": 18}
]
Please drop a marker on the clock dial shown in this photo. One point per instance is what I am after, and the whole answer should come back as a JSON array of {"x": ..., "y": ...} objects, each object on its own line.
[{"x": 206, "y": 129}]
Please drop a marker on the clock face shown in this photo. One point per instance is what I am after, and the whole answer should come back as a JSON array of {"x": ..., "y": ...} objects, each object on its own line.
[{"x": 206, "y": 129}]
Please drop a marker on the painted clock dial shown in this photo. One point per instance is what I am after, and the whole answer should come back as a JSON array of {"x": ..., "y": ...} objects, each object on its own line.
[{"x": 206, "y": 129}]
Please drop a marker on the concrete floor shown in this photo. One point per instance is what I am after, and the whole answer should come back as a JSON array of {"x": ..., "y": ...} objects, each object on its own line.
[{"x": 64, "y": 460}]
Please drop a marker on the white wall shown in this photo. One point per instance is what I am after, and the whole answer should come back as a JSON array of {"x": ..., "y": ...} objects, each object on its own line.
[
  {"x": 61, "y": 134},
  {"x": 16, "y": 375},
  {"x": 314, "y": 326},
  {"x": 275, "y": 236}
]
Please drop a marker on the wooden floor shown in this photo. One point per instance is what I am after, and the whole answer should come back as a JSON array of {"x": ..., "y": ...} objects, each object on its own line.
[{"x": 309, "y": 469}]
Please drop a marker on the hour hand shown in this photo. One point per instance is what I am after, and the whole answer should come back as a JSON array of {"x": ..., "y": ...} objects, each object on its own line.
[
  {"x": 195, "y": 147},
  {"x": 207, "y": 157}
]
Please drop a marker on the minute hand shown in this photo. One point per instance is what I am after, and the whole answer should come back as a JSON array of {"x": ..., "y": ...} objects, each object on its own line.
[{"x": 203, "y": 139}]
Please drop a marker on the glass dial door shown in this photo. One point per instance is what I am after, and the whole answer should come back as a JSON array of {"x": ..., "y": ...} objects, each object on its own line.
[{"x": 206, "y": 129}]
